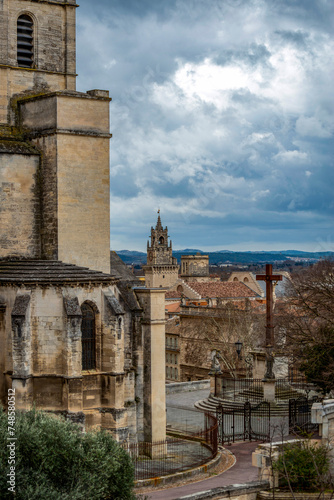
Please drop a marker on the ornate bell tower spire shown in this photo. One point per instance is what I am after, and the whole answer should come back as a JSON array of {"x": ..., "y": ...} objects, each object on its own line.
[
  {"x": 161, "y": 269},
  {"x": 158, "y": 251}
]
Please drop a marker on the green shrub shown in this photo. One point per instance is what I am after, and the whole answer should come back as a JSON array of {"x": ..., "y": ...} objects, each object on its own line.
[
  {"x": 304, "y": 465},
  {"x": 55, "y": 461}
]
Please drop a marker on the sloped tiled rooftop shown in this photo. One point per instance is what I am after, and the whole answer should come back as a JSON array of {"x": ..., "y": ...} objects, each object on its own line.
[
  {"x": 49, "y": 271},
  {"x": 222, "y": 289}
]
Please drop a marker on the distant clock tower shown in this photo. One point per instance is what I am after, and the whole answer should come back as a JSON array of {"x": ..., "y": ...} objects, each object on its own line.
[{"x": 161, "y": 269}]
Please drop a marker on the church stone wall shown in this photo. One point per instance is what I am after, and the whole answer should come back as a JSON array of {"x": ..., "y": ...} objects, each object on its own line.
[
  {"x": 19, "y": 205},
  {"x": 83, "y": 201},
  {"x": 73, "y": 133},
  {"x": 44, "y": 357}
]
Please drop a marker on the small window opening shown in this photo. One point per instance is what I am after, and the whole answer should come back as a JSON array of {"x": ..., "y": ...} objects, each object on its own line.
[
  {"x": 25, "y": 42},
  {"x": 119, "y": 333},
  {"x": 88, "y": 337}
]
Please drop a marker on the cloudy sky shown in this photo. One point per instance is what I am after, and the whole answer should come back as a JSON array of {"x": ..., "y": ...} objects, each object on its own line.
[{"x": 222, "y": 117}]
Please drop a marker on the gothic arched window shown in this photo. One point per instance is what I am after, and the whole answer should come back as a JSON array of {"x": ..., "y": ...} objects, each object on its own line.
[
  {"x": 161, "y": 240},
  {"x": 88, "y": 337},
  {"x": 25, "y": 41}
]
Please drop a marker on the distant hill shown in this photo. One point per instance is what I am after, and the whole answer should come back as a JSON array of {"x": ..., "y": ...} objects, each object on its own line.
[{"x": 229, "y": 257}]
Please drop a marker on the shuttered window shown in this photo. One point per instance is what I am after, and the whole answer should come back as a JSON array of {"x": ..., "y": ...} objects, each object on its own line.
[{"x": 25, "y": 42}]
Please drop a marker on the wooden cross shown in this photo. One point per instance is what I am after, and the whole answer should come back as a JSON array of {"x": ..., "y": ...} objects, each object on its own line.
[{"x": 269, "y": 277}]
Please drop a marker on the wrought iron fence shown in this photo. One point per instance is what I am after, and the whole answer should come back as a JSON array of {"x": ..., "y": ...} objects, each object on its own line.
[
  {"x": 191, "y": 445},
  {"x": 244, "y": 389},
  {"x": 300, "y": 415},
  {"x": 244, "y": 423}
]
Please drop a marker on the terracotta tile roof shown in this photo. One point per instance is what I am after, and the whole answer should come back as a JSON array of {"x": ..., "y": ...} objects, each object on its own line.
[
  {"x": 222, "y": 289},
  {"x": 173, "y": 294},
  {"x": 173, "y": 325},
  {"x": 173, "y": 308}
]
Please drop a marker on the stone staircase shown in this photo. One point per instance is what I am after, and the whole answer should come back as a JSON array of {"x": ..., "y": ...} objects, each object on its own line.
[{"x": 232, "y": 401}]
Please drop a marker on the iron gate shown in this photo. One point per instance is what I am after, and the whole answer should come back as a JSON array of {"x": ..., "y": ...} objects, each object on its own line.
[
  {"x": 245, "y": 423},
  {"x": 300, "y": 415}
]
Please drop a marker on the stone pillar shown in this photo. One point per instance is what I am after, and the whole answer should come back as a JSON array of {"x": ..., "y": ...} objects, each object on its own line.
[
  {"x": 323, "y": 414},
  {"x": 269, "y": 390},
  {"x": 72, "y": 387},
  {"x": 153, "y": 324},
  {"x": 216, "y": 383},
  {"x": 259, "y": 363},
  {"x": 21, "y": 342}
]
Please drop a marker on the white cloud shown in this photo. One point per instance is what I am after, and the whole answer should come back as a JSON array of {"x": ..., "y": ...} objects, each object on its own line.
[
  {"x": 291, "y": 156},
  {"x": 312, "y": 127}
]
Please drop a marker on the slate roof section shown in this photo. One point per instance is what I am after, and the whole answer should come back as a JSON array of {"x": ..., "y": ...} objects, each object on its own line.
[
  {"x": 114, "y": 305},
  {"x": 51, "y": 272},
  {"x": 121, "y": 270},
  {"x": 128, "y": 295}
]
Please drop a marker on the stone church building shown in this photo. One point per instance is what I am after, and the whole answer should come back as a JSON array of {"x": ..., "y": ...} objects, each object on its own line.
[{"x": 76, "y": 337}]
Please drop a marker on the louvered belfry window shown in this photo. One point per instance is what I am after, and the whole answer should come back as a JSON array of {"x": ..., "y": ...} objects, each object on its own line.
[
  {"x": 88, "y": 337},
  {"x": 25, "y": 42}
]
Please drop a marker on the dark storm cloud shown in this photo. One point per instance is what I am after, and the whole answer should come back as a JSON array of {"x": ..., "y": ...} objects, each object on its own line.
[{"x": 222, "y": 116}]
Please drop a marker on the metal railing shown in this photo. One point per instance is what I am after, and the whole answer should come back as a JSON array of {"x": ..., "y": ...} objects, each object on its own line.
[
  {"x": 188, "y": 447},
  {"x": 245, "y": 389},
  {"x": 242, "y": 388}
]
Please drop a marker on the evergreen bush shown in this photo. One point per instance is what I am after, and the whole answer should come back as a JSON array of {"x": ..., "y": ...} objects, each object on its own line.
[
  {"x": 55, "y": 461},
  {"x": 305, "y": 466}
]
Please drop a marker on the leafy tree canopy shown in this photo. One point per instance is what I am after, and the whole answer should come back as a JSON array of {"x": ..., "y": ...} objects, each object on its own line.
[{"x": 306, "y": 323}]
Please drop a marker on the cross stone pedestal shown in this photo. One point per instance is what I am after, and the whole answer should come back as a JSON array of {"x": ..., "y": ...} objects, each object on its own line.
[
  {"x": 259, "y": 363},
  {"x": 216, "y": 383},
  {"x": 269, "y": 389}
]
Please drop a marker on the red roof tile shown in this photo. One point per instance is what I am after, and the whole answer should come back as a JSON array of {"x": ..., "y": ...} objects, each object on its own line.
[
  {"x": 173, "y": 294},
  {"x": 173, "y": 308},
  {"x": 222, "y": 289}
]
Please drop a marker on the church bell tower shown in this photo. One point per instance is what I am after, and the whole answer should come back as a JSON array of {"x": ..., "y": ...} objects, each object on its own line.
[
  {"x": 54, "y": 141},
  {"x": 37, "y": 50},
  {"x": 161, "y": 269}
]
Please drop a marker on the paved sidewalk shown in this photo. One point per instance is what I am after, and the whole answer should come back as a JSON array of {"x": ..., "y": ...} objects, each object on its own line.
[
  {"x": 241, "y": 472},
  {"x": 187, "y": 398}
]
